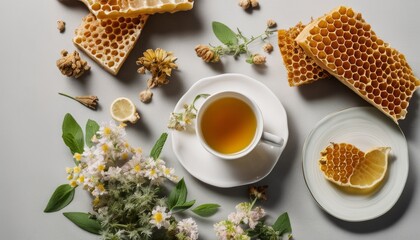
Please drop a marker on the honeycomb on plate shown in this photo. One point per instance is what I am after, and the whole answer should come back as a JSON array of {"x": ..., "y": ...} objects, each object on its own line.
[
  {"x": 342, "y": 43},
  {"x": 301, "y": 69},
  {"x": 346, "y": 165},
  {"x": 133, "y": 8},
  {"x": 109, "y": 41}
]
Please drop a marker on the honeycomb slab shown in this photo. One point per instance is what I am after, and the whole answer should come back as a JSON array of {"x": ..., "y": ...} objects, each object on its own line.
[
  {"x": 133, "y": 8},
  {"x": 301, "y": 69},
  {"x": 109, "y": 41},
  {"x": 346, "y": 165},
  {"x": 345, "y": 45}
]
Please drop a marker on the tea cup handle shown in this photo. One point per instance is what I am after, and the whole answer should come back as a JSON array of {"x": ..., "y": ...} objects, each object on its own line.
[{"x": 272, "y": 139}]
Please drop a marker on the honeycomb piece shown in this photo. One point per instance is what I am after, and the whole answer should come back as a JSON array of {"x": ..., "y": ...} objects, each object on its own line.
[
  {"x": 301, "y": 69},
  {"x": 109, "y": 41},
  {"x": 346, "y": 165},
  {"x": 345, "y": 45},
  {"x": 133, "y": 8}
]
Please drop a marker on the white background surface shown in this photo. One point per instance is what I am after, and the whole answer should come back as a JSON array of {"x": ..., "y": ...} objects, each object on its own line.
[{"x": 34, "y": 157}]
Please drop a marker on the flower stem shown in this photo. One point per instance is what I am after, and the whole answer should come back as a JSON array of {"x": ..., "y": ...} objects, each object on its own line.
[{"x": 65, "y": 95}]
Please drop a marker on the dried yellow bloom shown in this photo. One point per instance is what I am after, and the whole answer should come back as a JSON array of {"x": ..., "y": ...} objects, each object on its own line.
[
  {"x": 255, "y": 3},
  {"x": 206, "y": 53},
  {"x": 159, "y": 63}
]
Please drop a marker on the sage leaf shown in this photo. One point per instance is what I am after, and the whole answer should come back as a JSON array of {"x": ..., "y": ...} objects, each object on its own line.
[
  {"x": 206, "y": 210},
  {"x": 157, "y": 148},
  {"x": 91, "y": 128},
  {"x": 72, "y": 134},
  {"x": 178, "y": 196},
  {"x": 182, "y": 207},
  {"x": 282, "y": 224},
  {"x": 62, "y": 196},
  {"x": 224, "y": 34},
  {"x": 84, "y": 221}
]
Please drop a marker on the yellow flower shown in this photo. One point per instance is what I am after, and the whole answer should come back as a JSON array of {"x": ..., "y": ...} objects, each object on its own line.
[
  {"x": 101, "y": 167},
  {"x": 95, "y": 201},
  {"x": 137, "y": 168},
  {"x": 73, "y": 183},
  {"x": 77, "y": 156},
  {"x": 100, "y": 187},
  {"x": 76, "y": 169}
]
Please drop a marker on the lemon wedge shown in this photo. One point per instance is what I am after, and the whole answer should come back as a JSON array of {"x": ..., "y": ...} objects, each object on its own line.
[{"x": 123, "y": 110}]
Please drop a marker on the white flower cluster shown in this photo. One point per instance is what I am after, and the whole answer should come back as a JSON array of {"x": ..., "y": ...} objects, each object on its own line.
[
  {"x": 231, "y": 229},
  {"x": 187, "y": 229},
  {"x": 111, "y": 156}
]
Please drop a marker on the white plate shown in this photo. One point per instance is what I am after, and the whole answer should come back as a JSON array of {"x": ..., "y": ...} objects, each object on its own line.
[
  {"x": 366, "y": 128},
  {"x": 230, "y": 173}
]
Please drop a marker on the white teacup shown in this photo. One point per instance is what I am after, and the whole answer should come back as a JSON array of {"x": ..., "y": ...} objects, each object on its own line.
[{"x": 247, "y": 104}]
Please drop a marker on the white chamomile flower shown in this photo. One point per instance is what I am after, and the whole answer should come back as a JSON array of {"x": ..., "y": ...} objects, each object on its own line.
[
  {"x": 160, "y": 217},
  {"x": 188, "y": 228}
]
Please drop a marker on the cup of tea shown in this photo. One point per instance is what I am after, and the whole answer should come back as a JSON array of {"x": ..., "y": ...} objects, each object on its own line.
[{"x": 230, "y": 125}]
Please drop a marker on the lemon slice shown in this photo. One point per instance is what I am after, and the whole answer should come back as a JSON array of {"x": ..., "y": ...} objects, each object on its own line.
[
  {"x": 346, "y": 165},
  {"x": 123, "y": 110}
]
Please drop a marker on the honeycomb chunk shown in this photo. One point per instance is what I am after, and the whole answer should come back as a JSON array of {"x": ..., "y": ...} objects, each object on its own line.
[
  {"x": 109, "y": 41},
  {"x": 301, "y": 69},
  {"x": 346, "y": 165},
  {"x": 133, "y": 8},
  {"x": 345, "y": 45}
]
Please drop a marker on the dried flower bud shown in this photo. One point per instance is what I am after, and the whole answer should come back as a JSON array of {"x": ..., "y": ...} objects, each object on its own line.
[
  {"x": 255, "y": 3},
  {"x": 141, "y": 70},
  {"x": 89, "y": 101},
  {"x": 72, "y": 65},
  {"x": 206, "y": 53},
  {"x": 271, "y": 23},
  {"x": 258, "y": 59},
  {"x": 245, "y": 4},
  {"x": 258, "y": 192},
  {"x": 61, "y": 25},
  {"x": 268, "y": 48},
  {"x": 146, "y": 96}
]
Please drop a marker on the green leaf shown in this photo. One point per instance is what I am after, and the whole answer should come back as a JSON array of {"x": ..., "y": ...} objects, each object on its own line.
[
  {"x": 62, "y": 196},
  {"x": 178, "y": 196},
  {"x": 91, "y": 128},
  {"x": 157, "y": 148},
  {"x": 182, "y": 207},
  {"x": 206, "y": 210},
  {"x": 282, "y": 224},
  {"x": 84, "y": 221},
  {"x": 224, "y": 34},
  {"x": 72, "y": 134}
]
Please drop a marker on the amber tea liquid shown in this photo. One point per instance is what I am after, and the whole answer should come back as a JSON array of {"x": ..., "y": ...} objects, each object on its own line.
[{"x": 228, "y": 125}]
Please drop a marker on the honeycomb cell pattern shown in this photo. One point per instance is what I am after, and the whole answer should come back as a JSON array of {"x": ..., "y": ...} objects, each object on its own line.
[
  {"x": 345, "y": 45},
  {"x": 301, "y": 69},
  {"x": 133, "y": 8},
  {"x": 109, "y": 41},
  {"x": 346, "y": 165}
]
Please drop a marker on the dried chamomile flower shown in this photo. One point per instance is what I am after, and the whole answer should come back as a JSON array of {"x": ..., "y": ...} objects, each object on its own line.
[
  {"x": 255, "y": 3},
  {"x": 245, "y": 4},
  {"x": 160, "y": 64},
  {"x": 88, "y": 101},
  {"x": 271, "y": 23},
  {"x": 146, "y": 96},
  {"x": 71, "y": 64},
  {"x": 206, "y": 53},
  {"x": 258, "y": 59},
  {"x": 61, "y": 25},
  {"x": 180, "y": 121},
  {"x": 268, "y": 48}
]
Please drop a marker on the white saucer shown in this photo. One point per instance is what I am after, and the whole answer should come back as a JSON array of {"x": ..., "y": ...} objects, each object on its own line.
[
  {"x": 366, "y": 128},
  {"x": 230, "y": 173}
]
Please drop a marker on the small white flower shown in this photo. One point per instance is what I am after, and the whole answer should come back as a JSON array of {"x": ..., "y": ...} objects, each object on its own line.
[
  {"x": 112, "y": 173},
  {"x": 227, "y": 230},
  {"x": 188, "y": 227},
  {"x": 160, "y": 217},
  {"x": 254, "y": 216}
]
